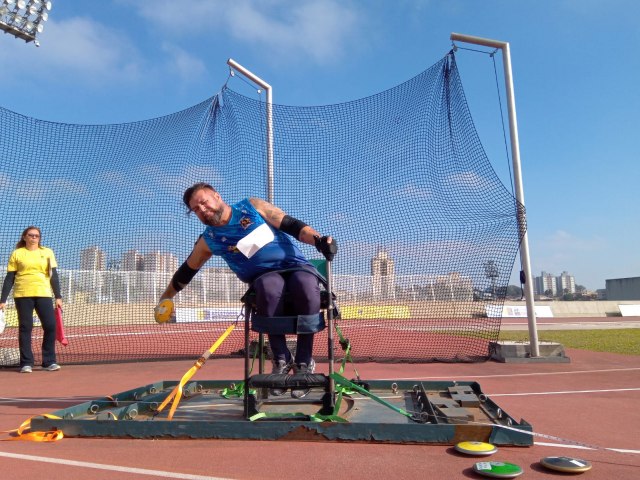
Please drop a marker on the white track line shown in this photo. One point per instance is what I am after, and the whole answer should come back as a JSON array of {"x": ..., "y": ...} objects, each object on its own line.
[
  {"x": 450, "y": 377},
  {"x": 562, "y": 445},
  {"x": 113, "y": 468},
  {"x": 46, "y": 399},
  {"x": 565, "y": 392}
]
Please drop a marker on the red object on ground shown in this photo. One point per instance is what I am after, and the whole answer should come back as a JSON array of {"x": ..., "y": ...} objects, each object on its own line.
[{"x": 60, "y": 328}]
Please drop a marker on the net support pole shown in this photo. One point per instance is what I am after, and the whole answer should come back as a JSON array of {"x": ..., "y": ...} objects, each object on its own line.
[
  {"x": 270, "y": 190},
  {"x": 330, "y": 336},
  {"x": 517, "y": 175},
  {"x": 269, "y": 120}
]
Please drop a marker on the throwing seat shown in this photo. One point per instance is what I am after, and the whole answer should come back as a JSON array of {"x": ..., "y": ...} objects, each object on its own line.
[{"x": 288, "y": 325}]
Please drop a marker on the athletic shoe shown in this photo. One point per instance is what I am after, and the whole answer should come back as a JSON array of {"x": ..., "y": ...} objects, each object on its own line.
[
  {"x": 26, "y": 369},
  {"x": 52, "y": 368},
  {"x": 301, "y": 369},
  {"x": 280, "y": 367}
]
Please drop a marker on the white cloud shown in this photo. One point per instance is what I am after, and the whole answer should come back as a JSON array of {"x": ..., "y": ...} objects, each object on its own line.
[
  {"x": 85, "y": 45},
  {"x": 67, "y": 186},
  {"x": 196, "y": 173},
  {"x": 78, "y": 47},
  {"x": 36, "y": 189},
  {"x": 411, "y": 190},
  {"x": 470, "y": 180},
  {"x": 158, "y": 182},
  {"x": 318, "y": 29},
  {"x": 187, "y": 67},
  {"x": 563, "y": 241},
  {"x": 82, "y": 48}
]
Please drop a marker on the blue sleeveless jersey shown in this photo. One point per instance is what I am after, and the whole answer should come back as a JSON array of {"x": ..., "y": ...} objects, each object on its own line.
[{"x": 278, "y": 254}]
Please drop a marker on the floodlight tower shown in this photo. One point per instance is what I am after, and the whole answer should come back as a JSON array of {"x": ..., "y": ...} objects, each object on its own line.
[
  {"x": 24, "y": 18},
  {"x": 491, "y": 272}
]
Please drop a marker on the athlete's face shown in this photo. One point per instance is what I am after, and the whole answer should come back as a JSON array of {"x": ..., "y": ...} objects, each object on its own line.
[{"x": 209, "y": 207}]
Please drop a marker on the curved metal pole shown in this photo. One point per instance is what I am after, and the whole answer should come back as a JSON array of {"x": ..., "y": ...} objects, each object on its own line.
[
  {"x": 517, "y": 177},
  {"x": 258, "y": 81},
  {"x": 270, "y": 193}
]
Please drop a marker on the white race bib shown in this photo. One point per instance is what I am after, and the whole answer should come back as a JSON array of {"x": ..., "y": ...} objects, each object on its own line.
[{"x": 257, "y": 239}]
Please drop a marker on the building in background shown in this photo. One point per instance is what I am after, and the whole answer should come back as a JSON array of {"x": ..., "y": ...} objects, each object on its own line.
[
  {"x": 145, "y": 275},
  {"x": 546, "y": 284},
  {"x": 623, "y": 288},
  {"x": 92, "y": 258},
  {"x": 383, "y": 276},
  {"x": 90, "y": 279},
  {"x": 131, "y": 261},
  {"x": 566, "y": 283},
  {"x": 159, "y": 262},
  {"x": 453, "y": 287}
]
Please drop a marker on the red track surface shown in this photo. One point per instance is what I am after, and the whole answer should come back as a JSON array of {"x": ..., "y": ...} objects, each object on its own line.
[
  {"x": 592, "y": 400},
  {"x": 422, "y": 339}
]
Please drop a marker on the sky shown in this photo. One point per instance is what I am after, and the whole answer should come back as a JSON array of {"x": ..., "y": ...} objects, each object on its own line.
[{"x": 575, "y": 65}]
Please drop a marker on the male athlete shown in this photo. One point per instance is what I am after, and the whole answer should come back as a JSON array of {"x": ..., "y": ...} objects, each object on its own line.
[{"x": 250, "y": 237}]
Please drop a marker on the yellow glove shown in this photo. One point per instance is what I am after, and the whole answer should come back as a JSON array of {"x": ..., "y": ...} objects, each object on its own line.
[{"x": 164, "y": 311}]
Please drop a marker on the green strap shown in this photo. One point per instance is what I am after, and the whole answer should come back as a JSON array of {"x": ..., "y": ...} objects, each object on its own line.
[
  {"x": 347, "y": 356},
  {"x": 341, "y": 389},
  {"x": 316, "y": 417},
  {"x": 261, "y": 415},
  {"x": 328, "y": 418},
  {"x": 338, "y": 404},
  {"x": 237, "y": 390},
  {"x": 347, "y": 350},
  {"x": 340, "y": 380}
]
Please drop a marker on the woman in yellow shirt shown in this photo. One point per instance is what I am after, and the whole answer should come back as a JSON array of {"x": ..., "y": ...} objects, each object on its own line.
[{"x": 32, "y": 272}]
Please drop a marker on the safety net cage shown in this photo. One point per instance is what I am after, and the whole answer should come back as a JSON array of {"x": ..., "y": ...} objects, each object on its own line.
[{"x": 427, "y": 232}]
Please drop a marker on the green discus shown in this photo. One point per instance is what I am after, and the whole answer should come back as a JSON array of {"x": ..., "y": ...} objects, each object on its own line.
[{"x": 497, "y": 469}]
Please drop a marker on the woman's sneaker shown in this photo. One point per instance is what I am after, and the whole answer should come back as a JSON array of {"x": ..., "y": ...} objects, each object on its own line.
[
  {"x": 26, "y": 369},
  {"x": 52, "y": 368},
  {"x": 302, "y": 369},
  {"x": 280, "y": 367}
]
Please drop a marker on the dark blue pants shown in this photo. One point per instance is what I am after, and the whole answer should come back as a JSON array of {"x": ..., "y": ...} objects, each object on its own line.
[
  {"x": 44, "y": 308},
  {"x": 303, "y": 298}
]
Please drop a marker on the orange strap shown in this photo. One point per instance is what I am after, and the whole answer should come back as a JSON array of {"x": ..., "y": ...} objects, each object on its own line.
[
  {"x": 21, "y": 433},
  {"x": 55, "y": 435},
  {"x": 177, "y": 391}
]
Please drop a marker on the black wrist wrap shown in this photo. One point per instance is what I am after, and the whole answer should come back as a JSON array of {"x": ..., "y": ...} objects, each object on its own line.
[
  {"x": 183, "y": 276},
  {"x": 292, "y": 226}
]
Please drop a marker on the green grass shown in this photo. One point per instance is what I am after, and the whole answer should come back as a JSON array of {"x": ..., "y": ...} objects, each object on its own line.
[{"x": 626, "y": 341}]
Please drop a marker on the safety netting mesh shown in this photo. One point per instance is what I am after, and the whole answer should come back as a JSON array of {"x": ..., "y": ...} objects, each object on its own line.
[{"x": 427, "y": 232}]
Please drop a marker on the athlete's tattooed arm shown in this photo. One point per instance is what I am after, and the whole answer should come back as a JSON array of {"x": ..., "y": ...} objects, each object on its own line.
[{"x": 274, "y": 215}]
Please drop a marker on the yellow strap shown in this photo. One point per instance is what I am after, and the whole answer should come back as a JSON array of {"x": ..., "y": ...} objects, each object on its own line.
[
  {"x": 177, "y": 391},
  {"x": 21, "y": 433}
]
